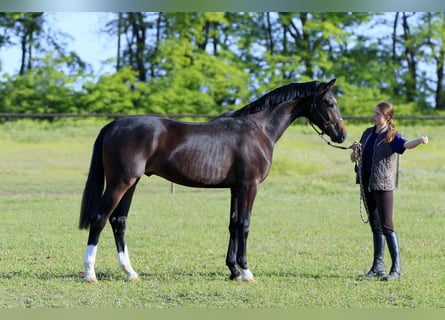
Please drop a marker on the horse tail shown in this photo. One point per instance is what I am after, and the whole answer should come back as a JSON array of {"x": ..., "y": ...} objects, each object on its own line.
[{"x": 94, "y": 185}]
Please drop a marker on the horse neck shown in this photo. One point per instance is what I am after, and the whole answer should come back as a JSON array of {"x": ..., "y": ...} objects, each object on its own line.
[{"x": 280, "y": 117}]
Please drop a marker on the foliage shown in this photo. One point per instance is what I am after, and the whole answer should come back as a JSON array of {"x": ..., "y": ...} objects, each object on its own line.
[
  {"x": 211, "y": 62},
  {"x": 48, "y": 88},
  {"x": 115, "y": 93},
  {"x": 196, "y": 82}
]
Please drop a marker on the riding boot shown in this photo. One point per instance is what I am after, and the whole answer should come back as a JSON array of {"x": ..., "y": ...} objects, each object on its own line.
[
  {"x": 394, "y": 250},
  {"x": 378, "y": 266}
]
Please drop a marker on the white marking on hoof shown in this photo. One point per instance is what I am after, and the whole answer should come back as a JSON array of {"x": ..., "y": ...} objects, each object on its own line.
[{"x": 247, "y": 276}]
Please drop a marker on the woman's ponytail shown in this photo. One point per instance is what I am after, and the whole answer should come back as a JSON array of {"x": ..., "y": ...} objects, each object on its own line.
[
  {"x": 387, "y": 111},
  {"x": 392, "y": 132}
]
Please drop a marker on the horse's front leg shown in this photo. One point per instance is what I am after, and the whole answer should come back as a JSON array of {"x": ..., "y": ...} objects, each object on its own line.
[
  {"x": 233, "y": 240},
  {"x": 240, "y": 231},
  {"x": 243, "y": 227}
]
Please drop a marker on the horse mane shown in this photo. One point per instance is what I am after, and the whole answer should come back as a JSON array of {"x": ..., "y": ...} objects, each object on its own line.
[{"x": 285, "y": 93}]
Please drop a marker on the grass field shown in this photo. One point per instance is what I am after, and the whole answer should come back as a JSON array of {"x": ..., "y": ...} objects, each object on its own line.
[{"x": 306, "y": 246}]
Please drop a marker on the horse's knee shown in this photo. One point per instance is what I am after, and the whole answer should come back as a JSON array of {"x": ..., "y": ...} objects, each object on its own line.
[
  {"x": 98, "y": 222},
  {"x": 118, "y": 225}
]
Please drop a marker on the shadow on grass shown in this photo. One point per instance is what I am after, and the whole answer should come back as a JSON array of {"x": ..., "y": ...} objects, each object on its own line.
[
  {"x": 217, "y": 276},
  {"x": 168, "y": 275}
]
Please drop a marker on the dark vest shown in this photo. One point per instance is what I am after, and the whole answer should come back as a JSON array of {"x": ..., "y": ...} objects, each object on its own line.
[{"x": 382, "y": 175}]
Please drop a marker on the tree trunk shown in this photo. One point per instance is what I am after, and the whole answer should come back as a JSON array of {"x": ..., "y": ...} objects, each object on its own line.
[
  {"x": 119, "y": 33},
  {"x": 410, "y": 56}
]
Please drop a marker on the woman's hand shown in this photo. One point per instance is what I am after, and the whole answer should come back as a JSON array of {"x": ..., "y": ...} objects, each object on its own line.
[
  {"x": 423, "y": 139},
  {"x": 356, "y": 145},
  {"x": 355, "y": 148}
]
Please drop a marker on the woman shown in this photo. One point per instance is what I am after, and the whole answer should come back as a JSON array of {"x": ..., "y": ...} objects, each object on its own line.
[{"x": 376, "y": 149}]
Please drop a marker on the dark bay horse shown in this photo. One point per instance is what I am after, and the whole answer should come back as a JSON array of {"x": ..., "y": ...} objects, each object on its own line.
[{"x": 234, "y": 151}]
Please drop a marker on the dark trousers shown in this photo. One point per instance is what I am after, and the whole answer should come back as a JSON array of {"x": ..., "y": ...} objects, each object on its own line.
[{"x": 380, "y": 207}]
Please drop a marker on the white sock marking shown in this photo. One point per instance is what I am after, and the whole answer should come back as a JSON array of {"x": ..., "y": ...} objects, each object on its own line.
[
  {"x": 124, "y": 263},
  {"x": 88, "y": 262},
  {"x": 246, "y": 275}
]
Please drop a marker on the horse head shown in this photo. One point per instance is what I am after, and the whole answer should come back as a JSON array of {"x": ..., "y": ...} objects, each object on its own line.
[{"x": 325, "y": 113}]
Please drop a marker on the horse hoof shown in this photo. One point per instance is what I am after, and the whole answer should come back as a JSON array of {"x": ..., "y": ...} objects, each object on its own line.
[
  {"x": 249, "y": 280},
  {"x": 83, "y": 275},
  {"x": 237, "y": 278},
  {"x": 132, "y": 277},
  {"x": 92, "y": 280},
  {"x": 247, "y": 276}
]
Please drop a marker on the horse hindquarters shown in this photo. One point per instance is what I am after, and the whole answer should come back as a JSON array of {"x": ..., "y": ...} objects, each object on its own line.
[{"x": 113, "y": 204}]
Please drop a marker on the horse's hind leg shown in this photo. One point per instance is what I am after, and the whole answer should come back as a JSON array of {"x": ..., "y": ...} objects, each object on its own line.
[
  {"x": 108, "y": 202},
  {"x": 118, "y": 221}
]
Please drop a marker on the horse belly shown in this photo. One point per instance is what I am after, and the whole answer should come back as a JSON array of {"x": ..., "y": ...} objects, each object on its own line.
[{"x": 202, "y": 167}]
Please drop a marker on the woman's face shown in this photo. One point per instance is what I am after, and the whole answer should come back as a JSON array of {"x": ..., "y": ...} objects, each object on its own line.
[{"x": 379, "y": 118}]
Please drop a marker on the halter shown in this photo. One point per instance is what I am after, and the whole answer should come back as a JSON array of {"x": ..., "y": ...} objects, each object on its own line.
[{"x": 326, "y": 124}]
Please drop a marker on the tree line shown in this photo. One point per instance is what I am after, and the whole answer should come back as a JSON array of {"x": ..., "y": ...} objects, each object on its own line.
[{"x": 211, "y": 62}]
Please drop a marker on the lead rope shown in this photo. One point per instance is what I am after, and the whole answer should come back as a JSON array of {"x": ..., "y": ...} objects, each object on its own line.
[{"x": 358, "y": 163}]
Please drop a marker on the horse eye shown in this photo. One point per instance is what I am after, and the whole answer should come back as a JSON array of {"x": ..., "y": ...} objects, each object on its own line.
[{"x": 328, "y": 104}]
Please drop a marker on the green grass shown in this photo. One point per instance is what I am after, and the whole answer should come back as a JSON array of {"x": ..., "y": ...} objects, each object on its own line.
[{"x": 306, "y": 245}]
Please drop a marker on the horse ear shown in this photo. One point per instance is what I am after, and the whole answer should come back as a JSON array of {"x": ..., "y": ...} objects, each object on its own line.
[
  {"x": 326, "y": 86},
  {"x": 331, "y": 83}
]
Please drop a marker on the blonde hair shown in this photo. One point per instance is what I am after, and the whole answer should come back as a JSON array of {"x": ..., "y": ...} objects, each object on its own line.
[{"x": 387, "y": 111}]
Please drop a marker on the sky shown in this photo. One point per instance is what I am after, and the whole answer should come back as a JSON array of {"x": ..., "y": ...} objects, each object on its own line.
[{"x": 88, "y": 42}]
